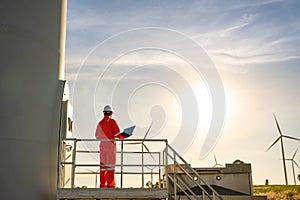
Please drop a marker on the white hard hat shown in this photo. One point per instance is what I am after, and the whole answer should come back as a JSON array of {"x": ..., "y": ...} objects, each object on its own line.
[{"x": 108, "y": 108}]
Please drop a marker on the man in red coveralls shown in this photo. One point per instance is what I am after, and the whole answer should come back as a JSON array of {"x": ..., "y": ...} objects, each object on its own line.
[{"x": 107, "y": 130}]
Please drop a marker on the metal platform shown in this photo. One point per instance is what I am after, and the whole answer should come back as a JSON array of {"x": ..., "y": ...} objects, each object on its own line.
[
  {"x": 112, "y": 193},
  {"x": 154, "y": 169}
]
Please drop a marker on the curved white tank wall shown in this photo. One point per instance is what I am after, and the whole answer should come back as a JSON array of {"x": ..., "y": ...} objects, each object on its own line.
[{"x": 30, "y": 98}]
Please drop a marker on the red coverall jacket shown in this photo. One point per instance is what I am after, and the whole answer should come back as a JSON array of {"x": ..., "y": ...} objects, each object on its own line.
[{"x": 106, "y": 130}]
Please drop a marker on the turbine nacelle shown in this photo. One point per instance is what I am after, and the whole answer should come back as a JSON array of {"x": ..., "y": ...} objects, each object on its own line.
[{"x": 281, "y": 135}]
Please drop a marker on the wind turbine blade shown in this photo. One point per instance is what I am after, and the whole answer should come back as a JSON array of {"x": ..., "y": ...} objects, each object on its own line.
[
  {"x": 295, "y": 154},
  {"x": 148, "y": 130},
  {"x": 149, "y": 152},
  {"x": 273, "y": 144},
  {"x": 296, "y": 164},
  {"x": 293, "y": 138},
  {"x": 215, "y": 159},
  {"x": 277, "y": 124},
  {"x": 217, "y": 165}
]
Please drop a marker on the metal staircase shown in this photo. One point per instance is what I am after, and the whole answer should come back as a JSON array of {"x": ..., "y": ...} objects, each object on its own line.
[{"x": 179, "y": 187}]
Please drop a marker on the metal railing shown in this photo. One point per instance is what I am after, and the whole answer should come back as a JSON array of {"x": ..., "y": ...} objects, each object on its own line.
[
  {"x": 133, "y": 161},
  {"x": 138, "y": 161}
]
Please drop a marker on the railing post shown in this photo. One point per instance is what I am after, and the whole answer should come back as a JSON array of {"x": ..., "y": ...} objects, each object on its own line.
[
  {"x": 74, "y": 164},
  {"x": 159, "y": 170},
  {"x": 143, "y": 178},
  {"x": 166, "y": 167},
  {"x": 96, "y": 178},
  {"x": 175, "y": 178},
  {"x": 122, "y": 149}
]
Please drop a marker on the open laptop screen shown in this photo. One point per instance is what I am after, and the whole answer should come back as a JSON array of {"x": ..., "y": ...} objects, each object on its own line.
[{"x": 128, "y": 131}]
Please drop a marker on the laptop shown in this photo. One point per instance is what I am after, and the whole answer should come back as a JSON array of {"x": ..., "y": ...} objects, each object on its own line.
[{"x": 128, "y": 131}]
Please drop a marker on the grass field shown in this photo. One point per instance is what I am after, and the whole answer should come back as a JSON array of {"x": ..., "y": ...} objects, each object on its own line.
[{"x": 278, "y": 192}]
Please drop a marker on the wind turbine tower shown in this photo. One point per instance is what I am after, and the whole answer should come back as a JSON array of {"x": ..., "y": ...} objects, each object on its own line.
[
  {"x": 281, "y": 136},
  {"x": 294, "y": 162},
  {"x": 32, "y": 38}
]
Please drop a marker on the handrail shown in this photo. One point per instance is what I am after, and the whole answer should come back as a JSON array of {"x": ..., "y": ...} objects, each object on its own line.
[
  {"x": 117, "y": 140},
  {"x": 167, "y": 156},
  {"x": 187, "y": 172},
  {"x": 145, "y": 166}
]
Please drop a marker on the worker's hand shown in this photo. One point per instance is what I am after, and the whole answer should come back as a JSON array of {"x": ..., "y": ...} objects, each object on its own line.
[{"x": 125, "y": 135}]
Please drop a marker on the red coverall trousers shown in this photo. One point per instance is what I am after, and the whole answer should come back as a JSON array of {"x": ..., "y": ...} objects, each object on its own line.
[
  {"x": 106, "y": 131},
  {"x": 107, "y": 164}
]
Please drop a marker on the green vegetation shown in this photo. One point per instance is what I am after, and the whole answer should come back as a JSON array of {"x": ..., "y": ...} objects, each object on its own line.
[{"x": 278, "y": 192}]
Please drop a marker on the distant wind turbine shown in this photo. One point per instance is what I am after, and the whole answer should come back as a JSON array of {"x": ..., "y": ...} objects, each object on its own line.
[
  {"x": 143, "y": 144},
  {"x": 282, "y": 147},
  {"x": 294, "y": 162},
  {"x": 216, "y": 162}
]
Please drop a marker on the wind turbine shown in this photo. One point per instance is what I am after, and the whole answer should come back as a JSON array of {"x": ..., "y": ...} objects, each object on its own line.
[
  {"x": 294, "y": 162},
  {"x": 142, "y": 142},
  {"x": 217, "y": 164},
  {"x": 144, "y": 146},
  {"x": 281, "y": 136}
]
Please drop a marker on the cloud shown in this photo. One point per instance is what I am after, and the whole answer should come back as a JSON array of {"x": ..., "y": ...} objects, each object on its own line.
[
  {"x": 252, "y": 4},
  {"x": 92, "y": 67},
  {"x": 250, "y": 40},
  {"x": 234, "y": 35}
]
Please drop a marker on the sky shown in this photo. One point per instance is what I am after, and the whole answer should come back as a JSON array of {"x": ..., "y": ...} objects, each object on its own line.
[{"x": 208, "y": 74}]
